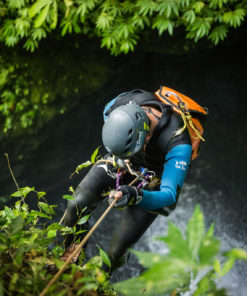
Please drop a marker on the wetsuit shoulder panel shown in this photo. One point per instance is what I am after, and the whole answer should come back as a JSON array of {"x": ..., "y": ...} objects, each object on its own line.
[{"x": 175, "y": 169}]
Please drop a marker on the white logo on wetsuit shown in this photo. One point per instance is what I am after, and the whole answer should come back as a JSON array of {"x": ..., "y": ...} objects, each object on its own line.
[{"x": 181, "y": 165}]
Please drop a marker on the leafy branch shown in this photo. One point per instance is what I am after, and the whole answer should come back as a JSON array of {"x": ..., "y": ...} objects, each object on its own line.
[
  {"x": 192, "y": 265},
  {"x": 28, "y": 260},
  {"x": 27, "y": 95},
  {"x": 103, "y": 19},
  {"x": 94, "y": 158}
]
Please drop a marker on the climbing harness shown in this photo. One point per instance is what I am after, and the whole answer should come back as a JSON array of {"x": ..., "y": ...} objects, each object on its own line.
[
  {"x": 144, "y": 177},
  {"x": 192, "y": 113}
]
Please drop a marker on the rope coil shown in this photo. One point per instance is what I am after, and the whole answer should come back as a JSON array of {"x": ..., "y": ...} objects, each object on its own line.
[{"x": 187, "y": 119}]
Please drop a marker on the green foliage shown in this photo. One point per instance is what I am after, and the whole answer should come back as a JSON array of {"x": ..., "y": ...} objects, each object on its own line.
[
  {"x": 27, "y": 261},
  {"x": 192, "y": 264},
  {"x": 104, "y": 256},
  {"x": 34, "y": 88},
  {"x": 94, "y": 158},
  {"x": 14, "y": 90},
  {"x": 26, "y": 98},
  {"x": 119, "y": 24},
  {"x": 23, "y": 99}
]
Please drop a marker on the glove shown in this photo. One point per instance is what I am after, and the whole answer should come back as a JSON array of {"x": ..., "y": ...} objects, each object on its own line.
[{"x": 131, "y": 196}]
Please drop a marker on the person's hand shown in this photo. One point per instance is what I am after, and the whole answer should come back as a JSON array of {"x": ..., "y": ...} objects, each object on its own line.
[{"x": 126, "y": 195}]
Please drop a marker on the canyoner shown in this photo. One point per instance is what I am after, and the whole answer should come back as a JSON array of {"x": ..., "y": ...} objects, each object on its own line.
[{"x": 152, "y": 136}]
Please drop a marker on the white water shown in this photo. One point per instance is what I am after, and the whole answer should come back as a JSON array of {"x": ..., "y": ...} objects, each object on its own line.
[{"x": 235, "y": 280}]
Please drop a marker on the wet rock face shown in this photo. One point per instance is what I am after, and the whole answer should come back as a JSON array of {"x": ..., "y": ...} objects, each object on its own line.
[{"x": 217, "y": 79}]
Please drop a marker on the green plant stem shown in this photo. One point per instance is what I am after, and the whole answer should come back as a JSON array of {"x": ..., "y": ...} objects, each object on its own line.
[{"x": 12, "y": 174}]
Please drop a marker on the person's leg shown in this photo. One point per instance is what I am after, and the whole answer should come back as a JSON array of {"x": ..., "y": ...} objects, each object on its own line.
[
  {"x": 88, "y": 194},
  {"x": 134, "y": 223}
]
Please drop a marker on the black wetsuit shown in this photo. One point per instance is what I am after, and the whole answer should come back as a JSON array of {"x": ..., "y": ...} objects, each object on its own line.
[{"x": 168, "y": 156}]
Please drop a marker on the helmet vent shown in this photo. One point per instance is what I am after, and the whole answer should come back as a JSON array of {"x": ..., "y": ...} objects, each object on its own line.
[
  {"x": 138, "y": 115},
  {"x": 128, "y": 142},
  {"x": 126, "y": 150},
  {"x": 130, "y": 131}
]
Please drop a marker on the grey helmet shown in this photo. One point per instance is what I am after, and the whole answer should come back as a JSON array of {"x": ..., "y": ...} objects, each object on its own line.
[{"x": 125, "y": 130}]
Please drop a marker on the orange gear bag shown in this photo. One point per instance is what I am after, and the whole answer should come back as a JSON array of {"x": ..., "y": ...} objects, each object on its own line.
[{"x": 192, "y": 113}]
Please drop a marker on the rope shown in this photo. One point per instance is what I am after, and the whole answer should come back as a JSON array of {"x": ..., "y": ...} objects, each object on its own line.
[
  {"x": 187, "y": 119},
  {"x": 181, "y": 130}
]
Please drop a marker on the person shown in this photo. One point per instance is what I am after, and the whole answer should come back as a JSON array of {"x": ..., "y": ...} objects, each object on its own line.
[{"x": 140, "y": 130}]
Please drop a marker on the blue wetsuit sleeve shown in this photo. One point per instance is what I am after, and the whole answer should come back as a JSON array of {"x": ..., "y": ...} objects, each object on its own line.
[{"x": 175, "y": 169}]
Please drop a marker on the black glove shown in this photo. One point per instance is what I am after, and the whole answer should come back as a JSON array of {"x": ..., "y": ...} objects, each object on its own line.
[{"x": 131, "y": 196}]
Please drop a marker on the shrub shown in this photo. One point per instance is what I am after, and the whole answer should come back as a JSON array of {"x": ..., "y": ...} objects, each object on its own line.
[
  {"x": 29, "y": 255},
  {"x": 192, "y": 266}
]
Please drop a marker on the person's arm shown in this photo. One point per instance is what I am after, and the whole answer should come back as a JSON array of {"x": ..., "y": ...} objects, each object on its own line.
[{"x": 175, "y": 169}]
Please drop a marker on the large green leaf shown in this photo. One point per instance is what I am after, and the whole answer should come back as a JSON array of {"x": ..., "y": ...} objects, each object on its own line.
[
  {"x": 46, "y": 208},
  {"x": 37, "y": 213},
  {"x": 237, "y": 254},
  {"x": 195, "y": 232},
  {"x": 51, "y": 233},
  {"x": 23, "y": 192},
  {"x": 37, "y": 6},
  {"x": 42, "y": 16},
  {"x": 147, "y": 259},
  {"x": 177, "y": 244},
  {"x": 68, "y": 197},
  {"x": 209, "y": 247},
  {"x": 104, "y": 256},
  {"x": 227, "y": 266},
  {"x": 84, "y": 219},
  {"x": 170, "y": 268},
  {"x": 95, "y": 155},
  {"x": 205, "y": 285},
  {"x": 160, "y": 279},
  {"x": 83, "y": 165},
  {"x": 55, "y": 226}
]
